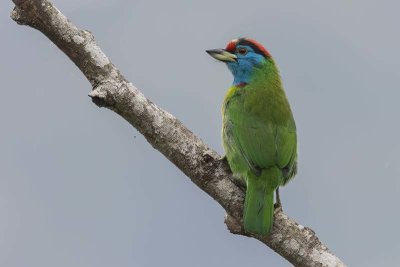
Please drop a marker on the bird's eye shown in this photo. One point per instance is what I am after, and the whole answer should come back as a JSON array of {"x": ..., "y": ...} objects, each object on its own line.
[{"x": 242, "y": 51}]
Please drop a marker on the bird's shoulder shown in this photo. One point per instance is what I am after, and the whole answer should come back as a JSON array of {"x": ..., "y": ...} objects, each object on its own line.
[{"x": 234, "y": 94}]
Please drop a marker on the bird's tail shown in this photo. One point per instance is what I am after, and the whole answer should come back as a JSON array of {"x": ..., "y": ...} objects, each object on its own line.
[{"x": 259, "y": 202}]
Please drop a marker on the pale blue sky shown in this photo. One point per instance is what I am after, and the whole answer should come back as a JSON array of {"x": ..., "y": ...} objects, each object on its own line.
[{"x": 80, "y": 187}]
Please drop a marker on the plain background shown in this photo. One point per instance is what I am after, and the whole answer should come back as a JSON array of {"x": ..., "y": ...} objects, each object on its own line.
[{"x": 80, "y": 187}]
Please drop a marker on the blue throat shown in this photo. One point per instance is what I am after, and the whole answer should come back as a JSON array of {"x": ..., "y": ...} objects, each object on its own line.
[
  {"x": 241, "y": 75},
  {"x": 243, "y": 69}
]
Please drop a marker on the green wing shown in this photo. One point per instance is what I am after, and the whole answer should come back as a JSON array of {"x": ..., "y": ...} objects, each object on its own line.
[
  {"x": 289, "y": 146},
  {"x": 262, "y": 141}
]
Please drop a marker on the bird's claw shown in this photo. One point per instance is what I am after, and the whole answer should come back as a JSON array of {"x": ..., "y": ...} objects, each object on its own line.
[{"x": 278, "y": 206}]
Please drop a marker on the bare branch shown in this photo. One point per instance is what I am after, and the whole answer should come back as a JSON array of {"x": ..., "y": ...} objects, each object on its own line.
[{"x": 296, "y": 243}]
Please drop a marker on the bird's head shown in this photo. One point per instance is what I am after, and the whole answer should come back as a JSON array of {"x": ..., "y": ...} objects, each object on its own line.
[{"x": 242, "y": 56}]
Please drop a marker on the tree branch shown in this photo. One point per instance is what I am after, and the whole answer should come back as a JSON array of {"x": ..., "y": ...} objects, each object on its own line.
[{"x": 296, "y": 243}]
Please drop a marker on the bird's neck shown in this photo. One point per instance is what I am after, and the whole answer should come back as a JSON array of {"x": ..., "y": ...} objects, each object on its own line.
[{"x": 244, "y": 74}]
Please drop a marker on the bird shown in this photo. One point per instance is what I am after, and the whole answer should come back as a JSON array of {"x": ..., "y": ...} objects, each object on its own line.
[{"x": 258, "y": 130}]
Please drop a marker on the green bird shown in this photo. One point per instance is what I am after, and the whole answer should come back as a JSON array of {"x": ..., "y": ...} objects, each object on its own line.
[{"x": 258, "y": 131}]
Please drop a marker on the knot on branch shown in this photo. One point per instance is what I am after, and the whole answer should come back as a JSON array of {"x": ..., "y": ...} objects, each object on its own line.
[
  {"x": 102, "y": 96},
  {"x": 233, "y": 225},
  {"x": 26, "y": 12},
  {"x": 18, "y": 15},
  {"x": 208, "y": 156}
]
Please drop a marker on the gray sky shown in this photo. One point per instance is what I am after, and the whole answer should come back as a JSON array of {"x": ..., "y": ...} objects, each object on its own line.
[{"x": 79, "y": 186}]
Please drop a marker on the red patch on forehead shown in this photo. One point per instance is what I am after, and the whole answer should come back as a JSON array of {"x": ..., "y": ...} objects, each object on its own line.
[{"x": 231, "y": 46}]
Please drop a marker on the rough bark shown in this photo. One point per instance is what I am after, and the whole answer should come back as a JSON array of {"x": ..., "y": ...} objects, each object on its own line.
[{"x": 296, "y": 243}]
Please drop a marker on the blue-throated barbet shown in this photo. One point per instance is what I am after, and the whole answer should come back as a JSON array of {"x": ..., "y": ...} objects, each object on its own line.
[{"x": 259, "y": 131}]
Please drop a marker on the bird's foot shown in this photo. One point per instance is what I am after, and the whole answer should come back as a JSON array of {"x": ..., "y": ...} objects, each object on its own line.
[
  {"x": 278, "y": 206},
  {"x": 223, "y": 158},
  {"x": 224, "y": 162}
]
